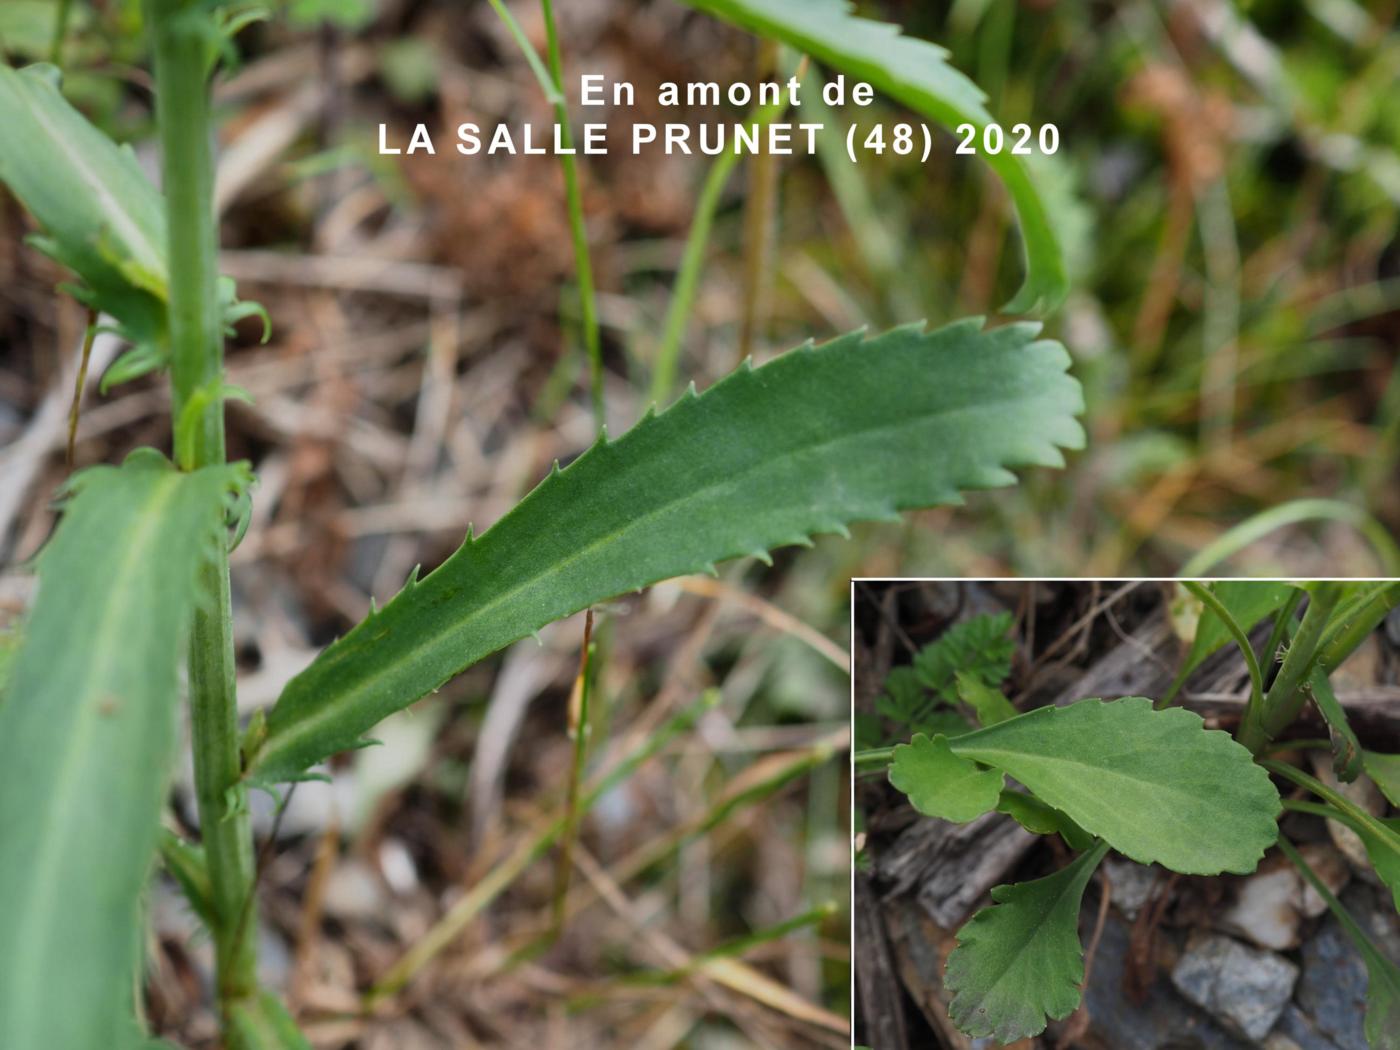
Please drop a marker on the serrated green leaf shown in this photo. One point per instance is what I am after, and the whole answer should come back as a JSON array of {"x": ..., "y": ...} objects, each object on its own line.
[
  {"x": 940, "y": 784},
  {"x": 988, "y": 704},
  {"x": 86, "y": 735},
  {"x": 101, "y": 216},
  {"x": 1385, "y": 771},
  {"x": 1019, "y": 963},
  {"x": 904, "y": 698},
  {"x": 1248, "y": 601},
  {"x": 978, "y": 647},
  {"x": 854, "y": 430},
  {"x": 1156, "y": 785},
  {"x": 916, "y": 73},
  {"x": 1039, "y": 819}
]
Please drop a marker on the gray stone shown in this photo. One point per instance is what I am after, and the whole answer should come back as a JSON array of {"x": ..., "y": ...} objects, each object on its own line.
[
  {"x": 1295, "y": 1031},
  {"x": 1132, "y": 884},
  {"x": 1332, "y": 990},
  {"x": 1243, "y": 987},
  {"x": 1162, "y": 1021}
]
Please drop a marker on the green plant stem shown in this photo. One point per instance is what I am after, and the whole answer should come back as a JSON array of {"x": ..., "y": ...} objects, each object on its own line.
[
  {"x": 1348, "y": 924},
  {"x": 583, "y": 265},
  {"x": 1287, "y": 695},
  {"x": 579, "y": 725},
  {"x": 1282, "y": 622},
  {"x": 874, "y": 756},
  {"x": 1354, "y": 623},
  {"x": 60, "y": 31},
  {"x": 1253, "y": 710},
  {"x": 179, "y": 37}
]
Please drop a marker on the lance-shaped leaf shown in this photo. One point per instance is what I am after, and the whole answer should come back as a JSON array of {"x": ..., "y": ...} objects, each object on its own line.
[
  {"x": 854, "y": 430},
  {"x": 940, "y": 784},
  {"x": 916, "y": 73},
  {"x": 86, "y": 730},
  {"x": 1019, "y": 962},
  {"x": 1156, "y": 785},
  {"x": 101, "y": 216}
]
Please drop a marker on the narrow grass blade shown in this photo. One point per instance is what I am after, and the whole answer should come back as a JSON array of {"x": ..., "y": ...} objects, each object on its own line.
[{"x": 916, "y": 73}]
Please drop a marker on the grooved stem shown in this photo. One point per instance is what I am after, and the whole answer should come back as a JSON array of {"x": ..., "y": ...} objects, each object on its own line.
[{"x": 180, "y": 42}]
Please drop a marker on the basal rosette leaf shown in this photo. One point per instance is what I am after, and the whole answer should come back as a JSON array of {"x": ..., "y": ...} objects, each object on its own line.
[
  {"x": 1019, "y": 963},
  {"x": 86, "y": 734},
  {"x": 1156, "y": 785},
  {"x": 857, "y": 429},
  {"x": 940, "y": 784},
  {"x": 917, "y": 74}
]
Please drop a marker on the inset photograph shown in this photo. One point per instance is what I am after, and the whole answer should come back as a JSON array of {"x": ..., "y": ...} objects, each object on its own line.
[{"x": 1127, "y": 814}]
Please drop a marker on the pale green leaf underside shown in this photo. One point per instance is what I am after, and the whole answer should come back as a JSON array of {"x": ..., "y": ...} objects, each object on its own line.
[
  {"x": 1019, "y": 962},
  {"x": 855, "y": 430},
  {"x": 916, "y": 73},
  {"x": 989, "y": 704},
  {"x": 940, "y": 784},
  {"x": 102, "y": 218},
  {"x": 1039, "y": 819},
  {"x": 1156, "y": 785},
  {"x": 86, "y": 731}
]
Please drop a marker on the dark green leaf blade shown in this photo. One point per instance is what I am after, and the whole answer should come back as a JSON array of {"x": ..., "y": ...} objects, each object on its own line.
[
  {"x": 856, "y": 429},
  {"x": 86, "y": 732},
  {"x": 1019, "y": 963},
  {"x": 940, "y": 784},
  {"x": 1156, "y": 785},
  {"x": 916, "y": 73}
]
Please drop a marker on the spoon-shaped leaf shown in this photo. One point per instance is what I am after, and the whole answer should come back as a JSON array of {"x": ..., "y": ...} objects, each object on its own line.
[
  {"x": 1019, "y": 962},
  {"x": 854, "y": 430},
  {"x": 916, "y": 73},
  {"x": 86, "y": 730},
  {"x": 1156, "y": 785}
]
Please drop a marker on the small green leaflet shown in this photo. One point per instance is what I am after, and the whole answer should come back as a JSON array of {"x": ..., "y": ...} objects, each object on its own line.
[
  {"x": 1156, "y": 785},
  {"x": 940, "y": 784},
  {"x": 101, "y": 216},
  {"x": 988, "y": 703},
  {"x": 854, "y": 430},
  {"x": 86, "y": 738},
  {"x": 1019, "y": 963},
  {"x": 916, "y": 73}
]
